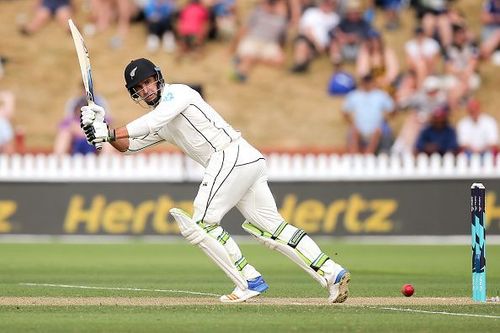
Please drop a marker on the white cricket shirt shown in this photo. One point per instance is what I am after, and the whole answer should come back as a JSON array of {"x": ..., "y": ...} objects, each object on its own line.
[
  {"x": 183, "y": 118},
  {"x": 477, "y": 135}
]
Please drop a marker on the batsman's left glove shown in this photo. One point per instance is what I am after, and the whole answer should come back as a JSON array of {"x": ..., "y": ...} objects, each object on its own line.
[{"x": 99, "y": 132}]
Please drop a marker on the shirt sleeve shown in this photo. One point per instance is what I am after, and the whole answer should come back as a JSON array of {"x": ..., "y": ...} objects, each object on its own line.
[
  {"x": 421, "y": 140},
  {"x": 388, "y": 103},
  {"x": 348, "y": 104},
  {"x": 462, "y": 133},
  {"x": 453, "y": 144},
  {"x": 492, "y": 133},
  {"x": 174, "y": 100},
  {"x": 138, "y": 144}
]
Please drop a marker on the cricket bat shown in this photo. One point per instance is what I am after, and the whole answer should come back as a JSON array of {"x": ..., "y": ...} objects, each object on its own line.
[{"x": 84, "y": 61}]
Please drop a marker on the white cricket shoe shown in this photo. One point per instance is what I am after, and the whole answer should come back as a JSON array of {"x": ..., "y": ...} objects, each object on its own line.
[
  {"x": 255, "y": 287},
  {"x": 339, "y": 287}
]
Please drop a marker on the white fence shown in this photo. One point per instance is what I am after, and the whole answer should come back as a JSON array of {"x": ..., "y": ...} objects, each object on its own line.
[{"x": 176, "y": 167}]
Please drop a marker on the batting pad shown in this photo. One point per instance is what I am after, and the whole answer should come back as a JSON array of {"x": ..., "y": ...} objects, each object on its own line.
[
  {"x": 296, "y": 245},
  {"x": 212, "y": 247}
]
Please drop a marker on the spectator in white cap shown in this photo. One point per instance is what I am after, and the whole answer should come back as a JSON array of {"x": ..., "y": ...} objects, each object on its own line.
[{"x": 419, "y": 107}]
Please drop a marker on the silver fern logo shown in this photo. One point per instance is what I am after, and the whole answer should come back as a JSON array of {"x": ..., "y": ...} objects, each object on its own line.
[{"x": 132, "y": 72}]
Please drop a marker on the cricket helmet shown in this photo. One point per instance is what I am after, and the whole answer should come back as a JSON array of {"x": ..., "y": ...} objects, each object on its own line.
[{"x": 137, "y": 71}]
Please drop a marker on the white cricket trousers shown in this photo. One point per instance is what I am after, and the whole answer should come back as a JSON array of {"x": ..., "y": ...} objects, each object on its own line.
[{"x": 237, "y": 176}]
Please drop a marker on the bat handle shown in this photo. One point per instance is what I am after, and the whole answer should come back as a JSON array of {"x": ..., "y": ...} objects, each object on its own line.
[{"x": 98, "y": 146}]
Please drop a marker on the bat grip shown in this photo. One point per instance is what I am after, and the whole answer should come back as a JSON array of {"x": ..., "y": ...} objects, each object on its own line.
[{"x": 90, "y": 102}]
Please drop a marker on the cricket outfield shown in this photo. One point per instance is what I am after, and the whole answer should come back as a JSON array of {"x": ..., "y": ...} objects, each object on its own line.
[{"x": 173, "y": 287}]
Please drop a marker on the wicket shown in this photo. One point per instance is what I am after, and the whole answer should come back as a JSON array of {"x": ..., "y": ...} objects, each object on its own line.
[{"x": 478, "y": 233}]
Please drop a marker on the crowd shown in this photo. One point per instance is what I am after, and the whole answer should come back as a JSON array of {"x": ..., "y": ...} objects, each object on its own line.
[{"x": 438, "y": 75}]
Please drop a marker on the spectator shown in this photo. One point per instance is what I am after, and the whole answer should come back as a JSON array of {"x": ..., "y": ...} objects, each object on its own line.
[
  {"x": 224, "y": 14},
  {"x": 7, "y": 105},
  {"x": 462, "y": 60},
  {"x": 260, "y": 39},
  {"x": 105, "y": 12},
  {"x": 438, "y": 137},
  {"x": 392, "y": 9},
  {"x": 490, "y": 35},
  {"x": 477, "y": 132},
  {"x": 70, "y": 138},
  {"x": 435, "y": 20},
  {"x": 422, "y": 55},
  {"x": 368, "y": 8},
  {"x": 349, "y": 34},
  {"x": 193, "y": 26},
  {"x": 313, "y": 38},
  {"x": 379, "y": 60},
  {"x": 419, "y": 107},
  {"x": 45, "y": 11},
  {"x": 159, "y": 17},
  {"x": 366, "y": 111}
]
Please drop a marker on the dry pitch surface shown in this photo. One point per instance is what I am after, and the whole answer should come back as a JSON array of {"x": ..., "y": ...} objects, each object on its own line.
[{"x": 174, "y": 301}]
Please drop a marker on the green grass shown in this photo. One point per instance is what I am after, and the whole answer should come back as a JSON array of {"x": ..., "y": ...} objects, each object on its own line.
[{"x": 377, "y": 270}]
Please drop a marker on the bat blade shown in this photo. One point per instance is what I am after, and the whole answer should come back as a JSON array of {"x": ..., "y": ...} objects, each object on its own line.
[{"x": 84, "y": 61}]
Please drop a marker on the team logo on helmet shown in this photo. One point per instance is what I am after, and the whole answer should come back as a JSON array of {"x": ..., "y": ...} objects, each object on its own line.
[{"x": 132, "y": 72}]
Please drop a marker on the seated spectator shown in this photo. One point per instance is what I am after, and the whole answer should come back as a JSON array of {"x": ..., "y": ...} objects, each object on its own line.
[
  {"x": 435, "y": 20},
  {"x": 313, "y": 36},
  {"x": 490, "y": 34},
  {"x": 349, "y": 34},
  {"x": 224, "y": 13},
  {"x": 422, "y": 55},
  {"x": 193, "y": 26},
  {"x": 462, "y": 60},
  {"x": 439, "y": 136},
  {"x": 419, "y": 107},
  {"x": 45, "y": 11},
  {"x": 7, "y": 104},
  {"x": 70, "y": 138},
  {"x": 259, "y": 40},
  {"x": 477, "y": 132},
  {"x": 392, "y": 9},
  {"x": 379, "y": 60},
  {"x": 368, "y": 8},
  {"x": 366, "y": 110},
  {"x": 159, "y": 18},
  {"x": 105, "y": 12}
]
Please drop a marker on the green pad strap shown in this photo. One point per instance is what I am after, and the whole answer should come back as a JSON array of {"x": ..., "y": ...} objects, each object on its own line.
[
  {"x": 320, "y": 260},
  {"x": 241, "y": 263},
  {"x": 279, "y": 230},
  {"x": 223, "y": 237},
  {"x": 296, "y": 238}
]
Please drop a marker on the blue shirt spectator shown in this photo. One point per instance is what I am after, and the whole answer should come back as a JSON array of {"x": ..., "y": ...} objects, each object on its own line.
[
  {"x": 156, "y": 9},
  {"x": 366, "y": 110}
]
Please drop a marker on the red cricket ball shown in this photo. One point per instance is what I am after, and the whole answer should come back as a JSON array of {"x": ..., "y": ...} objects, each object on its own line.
[{"x": 407, "y": 290}]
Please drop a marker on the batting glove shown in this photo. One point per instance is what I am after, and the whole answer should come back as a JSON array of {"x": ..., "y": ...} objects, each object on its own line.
[
  {"x": 91, "y": 113},
  {"x": 99, "y": 132}
]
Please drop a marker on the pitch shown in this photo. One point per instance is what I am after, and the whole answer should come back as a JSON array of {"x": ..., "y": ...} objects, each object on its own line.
[{"x": 141, "y": 287}]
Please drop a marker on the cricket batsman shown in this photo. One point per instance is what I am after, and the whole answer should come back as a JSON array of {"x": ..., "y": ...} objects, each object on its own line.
[{"x": 235, "y": 175}]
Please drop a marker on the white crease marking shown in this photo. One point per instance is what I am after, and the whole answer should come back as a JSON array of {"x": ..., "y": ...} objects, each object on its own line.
[
  {"x": 436, "y": 312},
  {"x": 116, "y": 288}
]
